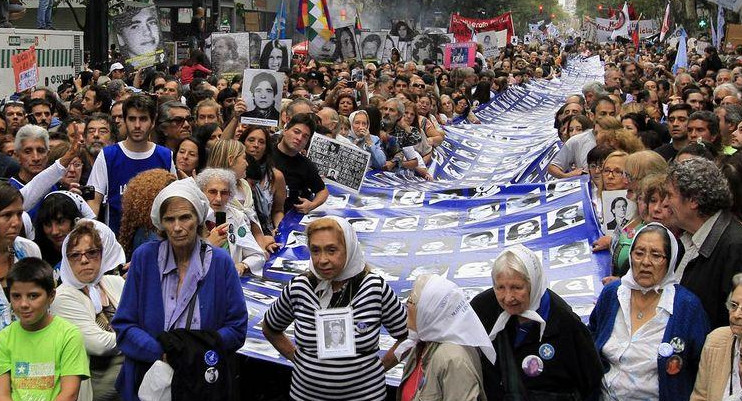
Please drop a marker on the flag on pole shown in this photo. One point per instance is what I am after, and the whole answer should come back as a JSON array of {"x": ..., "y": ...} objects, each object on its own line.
[
  {"x": 635, "y": 34},
  {"x": 719, "y": 27},
  {"x": 314, "y": 22},
  {"x": 278, "y": 31},
  {"x": 665, "y": 23},
  {"x": 624, "y": 21},
  {"x": 358, "y": 25},
  {"x": 681, "y": 59},
  {"x": 713, "y": 31}
]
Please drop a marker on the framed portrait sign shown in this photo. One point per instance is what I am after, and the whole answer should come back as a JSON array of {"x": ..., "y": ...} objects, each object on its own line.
[{"x": 335, "y": 334}]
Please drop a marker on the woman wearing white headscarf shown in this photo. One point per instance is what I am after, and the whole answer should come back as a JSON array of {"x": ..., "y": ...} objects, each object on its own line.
[
  {"x": 338, "y": 288},
  {"x": 88, "y": 297},
  {"x": 361, "y": 137},
  {"x": 179, "y": 282},
  {"x": 648, "y": 329},
  {"x": 444, "y": 334},
  {"x": 544, "y": 351}
]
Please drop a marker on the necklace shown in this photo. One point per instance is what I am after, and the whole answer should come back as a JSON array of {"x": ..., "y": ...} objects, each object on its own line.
[{"x": 640, "y": 313}]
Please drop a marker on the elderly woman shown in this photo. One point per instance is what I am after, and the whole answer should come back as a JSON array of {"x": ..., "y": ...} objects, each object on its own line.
[
  {"x": 88, "y": 298},
  {"x": 233, "y": 234},
  {"x": 444, "y": 336},
  {"x": 179, "y": 282},
  {"x": 649, "y": 330},
  {"x": 339, "y": 284},
  {"x": 719, "y": 370},
  {"x": 361, "y": 137},
  {"x": 543, "y": 348}
]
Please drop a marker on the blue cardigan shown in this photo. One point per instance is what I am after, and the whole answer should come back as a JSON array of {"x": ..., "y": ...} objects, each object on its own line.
[
  {"x": 688, "y": 322},
  {"x": 140, "y": 316}
]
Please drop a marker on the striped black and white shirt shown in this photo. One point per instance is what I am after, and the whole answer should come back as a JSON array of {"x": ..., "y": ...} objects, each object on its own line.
[{"x": 351, "y": 378}]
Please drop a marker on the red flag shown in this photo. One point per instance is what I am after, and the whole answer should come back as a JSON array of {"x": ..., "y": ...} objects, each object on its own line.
[
  {"x": 635, "y": 35},
  {"x": 632, "y": 12}
]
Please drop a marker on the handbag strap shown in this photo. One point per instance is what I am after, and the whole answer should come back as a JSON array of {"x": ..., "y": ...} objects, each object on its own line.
[
  {"x": 509, "y": 369},
  {"x": 192, "y": 302}
]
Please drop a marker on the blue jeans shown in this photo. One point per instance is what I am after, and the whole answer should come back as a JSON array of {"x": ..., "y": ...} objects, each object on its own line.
[{"x": 44, "y": 15}]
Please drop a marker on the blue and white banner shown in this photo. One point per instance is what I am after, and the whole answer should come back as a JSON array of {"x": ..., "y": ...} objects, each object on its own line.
[{"x": 491, "y": 190}]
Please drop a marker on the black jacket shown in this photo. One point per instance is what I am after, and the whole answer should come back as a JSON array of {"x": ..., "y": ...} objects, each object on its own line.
[
  {"x": 709, "y": 275},
  {"x": 575, "y": 368},
  {"x": 201, "y": 367}
]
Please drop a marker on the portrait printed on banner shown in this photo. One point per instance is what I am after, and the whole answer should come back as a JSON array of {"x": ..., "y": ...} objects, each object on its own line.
[
  {"x": 485, "y": 212},
  {"x": 335, "y": 334},
  {"x": 288, "y": 266},
  {"x": 522, "y": 231},
  {"x": 276, "y": 55},
  {"x": 256, "y": 47},
  {"x": 439, "y": 269},
  {"x": 441, "y": 220},
  {"x": 446, "y": 195},
  {"x": 312, "y": 216},
  {"x": 403, "y": 30},
  {"x": 407, "y": 198},
  {"x": 335, "y": 202},
  {"x": 474, "y": 269},
  {"x": 422, "y": 48},
  {"x": 261, "y": 347},
  {"x": 346, "y": 40},
  {"x": 226, "y": 52},
  {"x": 372, "y": 45},
  {"x": 517, "y": 204},
  {"x": 472, "y": 144},
  {"x": 558, "y": 189},
  {"x": 452, "y": 171},
  {"x": 368, "y": 202},
  {"x": 466, "y": 154},
  {"x": 262, "y": 90},
  {"x": 564, "y": 218},
  {"x": 570, "y": 254},
  {"x": 391, "y": 248},
  {"x": 479, "y": 240},
  {"x": 363, "y": 224},
  {"x": 139, "y": 37},
  {"x": 617, "y": 210},
  {"x": 264, "y": 299},
  {"x": 402, "y": 223},
  {"x": 436, "y": 246},
  {"x": 296, "y": 239},
  {"x": 574, "y": 287}
]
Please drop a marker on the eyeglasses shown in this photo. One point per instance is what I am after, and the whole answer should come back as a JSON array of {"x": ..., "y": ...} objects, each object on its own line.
[
  {"x": 421, "y": 86},
  {"x": 214, "y": 192},
  {"x": 732, "y": 306},
  {"x": 616, "y": 172},
  {"x": 654, "y": 257},
  {"x": 180, "y": 120},
  {"x": 90, "y": 254}
]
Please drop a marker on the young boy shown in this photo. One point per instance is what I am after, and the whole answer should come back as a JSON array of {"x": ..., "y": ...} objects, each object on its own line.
[{"x": 42, "y": 357}]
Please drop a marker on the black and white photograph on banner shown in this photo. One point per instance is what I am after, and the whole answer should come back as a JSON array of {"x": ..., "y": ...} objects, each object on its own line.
[
  {"x": 491, "y": 43},
  {"x": 399, "y": 224},
  {"x": 446, "y": 195},
  {"x": 617, "y": 210},
  {"x": 471, "y": 292},
  {"x": 385, "y": 273},
  {"x": 441, "y": 220},
  {"x": 570, "y": 254},
  {"x": 483, "y": 169},
  {"x": 311, "y": 216},
  {"x": 407, "y": 198},
  {"x": 261, "y": 91},
  {"x": 256, "y": 46},
  {"x": 555, "y": 190},
  {"x": 372, "y": 45},
  {"x": 452, "y": 171},
  {"x": 471, "y": 144},
  {"x": 276, "y": 55},
  {"x": 226, "y": 52},
  {"x": 436, "y": 246},
  {"x": 565, "y": 218},
  {"x": 288, "y": 266},
  {"x": 327, "y": 52},
  {"x": 391, "y": 248},
  {"x": 338, "y": 162},
  {"x": 517, "y": 204},
  {"x": 335, "y": 333},
  {"x": 339, "y": 201},
  {"x": 368, "y": 202},
  {"x": 267, "y": 283},
  {"x": 363, "y": 224},
  {"x": 439, "y": 269},
  {"x": 478, "y": 241},
  {"x": 486, "y": 190},
  {"x": 296, "y": 239},
  {"x": 139, "y": 37},
  {"x": 346, "y": 40},
  {"x": 259, "y": 296},
  {"x": 460, "y": 163},
  {"x": 481, "y": 213},
  {"x": 474, "y": 269},
  {"x": 522, "y": 231},
  {"x": 574, "y": 287},
  {"x": 422, "y": 48},
  {"x": 390, "y": 43},
  {"x": 261, "y": 347},
  {"x": 466, "y": 154},
  {"x": 403, "y": 30}
]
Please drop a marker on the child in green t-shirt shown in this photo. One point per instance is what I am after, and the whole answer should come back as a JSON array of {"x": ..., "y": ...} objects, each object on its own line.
[{"x": 42, "y": 357}]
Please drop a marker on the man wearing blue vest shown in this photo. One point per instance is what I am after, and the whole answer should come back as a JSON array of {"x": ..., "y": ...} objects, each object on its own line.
[{"x": 120, "y": 162}]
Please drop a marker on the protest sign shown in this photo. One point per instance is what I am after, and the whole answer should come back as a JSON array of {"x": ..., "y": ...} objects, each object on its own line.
[
  {"x": 459, "y": 54},
  {"x": 25, "y": 69},
  {"x": 228, "y": 52},
  {"x": 261, "y": 91},
  {"x": 341, "y": 163},
  {"x": 463, "y": 27},
  {"x": 139, "y": 36},
  {"x": 492, "y": 41}
]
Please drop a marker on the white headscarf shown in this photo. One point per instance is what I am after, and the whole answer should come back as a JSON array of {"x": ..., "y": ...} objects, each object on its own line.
[
  {"x": 82, "y": 206},
  {"x": 538, "y": 288},
  {"x": 669, "y": 280},
  {"x": 186, "y": 189},
  {"x": 444, "y": 315},
  {"x": 354, "y": 262},
  {"x": 353, "y": 117},
  {"x": 112, "y": 255}
]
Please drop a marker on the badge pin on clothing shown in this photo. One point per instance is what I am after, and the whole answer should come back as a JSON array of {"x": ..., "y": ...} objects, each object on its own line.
[
  {"x": 546, "y": 351},
  {"x": 674, "y": 365},
  {"x": 678, "y": 344},
  {"x": 211, "y": 375},
  {"x": 665, "y": 350},
  {"x": 211, "y": 357},
  {"x": 362, "y": 327},
  {"x": 242, "y": 231},
  {"x": 532, "y": 366}
]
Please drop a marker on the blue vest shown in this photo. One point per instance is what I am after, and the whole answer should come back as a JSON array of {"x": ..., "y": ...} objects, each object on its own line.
[
  {"x": 35, "y": 209},
  {"x": 121, "y": 169}
]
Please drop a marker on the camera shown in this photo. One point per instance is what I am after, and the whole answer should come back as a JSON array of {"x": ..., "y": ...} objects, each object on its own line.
[{"x": 88, "y": 192}]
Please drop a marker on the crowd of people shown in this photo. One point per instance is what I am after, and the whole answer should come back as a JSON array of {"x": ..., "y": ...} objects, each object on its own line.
[{"x": 135, "y": 201}]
